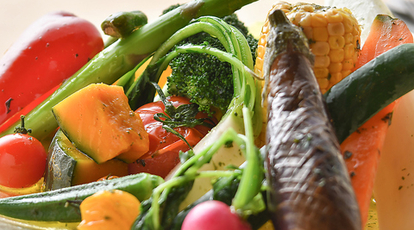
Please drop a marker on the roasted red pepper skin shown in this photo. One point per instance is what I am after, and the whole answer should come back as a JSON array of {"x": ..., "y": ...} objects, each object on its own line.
[{"x": 49, "y": 51}]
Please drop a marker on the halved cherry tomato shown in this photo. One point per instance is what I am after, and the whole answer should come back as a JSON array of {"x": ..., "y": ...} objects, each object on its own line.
[
  {"x": 22, "y": 160},
  {"x": 163, "y": 154}
]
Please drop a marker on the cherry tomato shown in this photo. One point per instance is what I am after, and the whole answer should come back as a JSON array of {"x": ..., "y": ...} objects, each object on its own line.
[
  {"x": 22, "y": 160},
  {"x": 163, "y": 154}
]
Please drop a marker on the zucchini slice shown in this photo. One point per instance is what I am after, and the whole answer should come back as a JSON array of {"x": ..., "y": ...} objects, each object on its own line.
[{"x": 68, "y": 166}]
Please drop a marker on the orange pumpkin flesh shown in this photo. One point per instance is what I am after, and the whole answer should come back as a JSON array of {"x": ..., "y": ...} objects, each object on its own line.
[{"x": 100, "y": 123}]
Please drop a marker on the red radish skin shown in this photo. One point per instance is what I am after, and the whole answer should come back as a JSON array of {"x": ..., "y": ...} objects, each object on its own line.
[{"x": 213, "y": 215}]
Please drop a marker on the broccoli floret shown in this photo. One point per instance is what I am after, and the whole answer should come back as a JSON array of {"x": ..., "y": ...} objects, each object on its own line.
[{"x": 204, "y": 79}]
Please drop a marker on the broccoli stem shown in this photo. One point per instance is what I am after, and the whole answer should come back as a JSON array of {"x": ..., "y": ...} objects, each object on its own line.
[{"x": 122, "y": 56}]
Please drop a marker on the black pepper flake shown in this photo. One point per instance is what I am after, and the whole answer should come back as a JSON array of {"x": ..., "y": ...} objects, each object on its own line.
[
  {"x": 140, "y": 161},
  {"x": 352, "y": 174},
  {"x": 8, "y": 102},
  {"x": 76, "y": 55},
  {"x": 387, "y": 118},
  {"x": 347, "y": 155},
  {"x": 399, "y": 188}
]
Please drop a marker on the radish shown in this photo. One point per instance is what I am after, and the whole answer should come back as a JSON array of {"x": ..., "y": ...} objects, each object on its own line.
[{"x": 213, "y": 215}]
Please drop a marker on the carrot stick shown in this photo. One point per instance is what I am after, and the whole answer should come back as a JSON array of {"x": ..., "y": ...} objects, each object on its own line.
[{"x": 362, "y": 149}]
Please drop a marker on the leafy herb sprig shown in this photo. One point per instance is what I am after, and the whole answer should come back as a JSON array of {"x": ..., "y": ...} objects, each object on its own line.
[{"x": 181, "y": 116}]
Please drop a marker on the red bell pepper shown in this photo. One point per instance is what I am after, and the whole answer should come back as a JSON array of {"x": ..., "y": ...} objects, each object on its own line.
[{"x": 49, "y": 51}]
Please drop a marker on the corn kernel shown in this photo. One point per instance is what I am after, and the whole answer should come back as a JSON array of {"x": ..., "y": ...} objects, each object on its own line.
[
  {"x": 335, "y": 67},
  {"x": 355, "y": 58},
  {"x": 318, "y": 20},
  {"x": 321, "y": 72},
  {"x": 320, "y": 48},
  {"x": 306, "y": 20},
  {"x": 308, "y": 31},
  {"x": 348, "y": 51},
  {"x": 348, "y": 25},
  {"x": 336, "y": 28},
  {"x": 322, "y": 61},
  {"x": 320, "y": 34},
  {"x": 336, "y": 55},
  {"x": 334, "y": 16},
  {"x": 335, "y": 78},
  {"x": 323, "y": 83},
  {"x": 346, "y": 72},
  {"x": 282, "y": 6},
  {"x": 349, "y": 37},
  {"x": 348, "y": 64},
  {"x": 307, "y": 8},
  {"x": 336, "y": 42}
]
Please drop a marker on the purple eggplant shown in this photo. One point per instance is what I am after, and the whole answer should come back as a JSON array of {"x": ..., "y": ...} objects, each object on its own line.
[{"x": 309, "y": 186}]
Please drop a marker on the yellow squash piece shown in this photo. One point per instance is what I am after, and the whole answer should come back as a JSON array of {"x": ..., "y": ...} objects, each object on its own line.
[
  {"x": 98, "y": 121},
  {"x": 334, "y": 39},
  {"x": 108, "y": 210}
]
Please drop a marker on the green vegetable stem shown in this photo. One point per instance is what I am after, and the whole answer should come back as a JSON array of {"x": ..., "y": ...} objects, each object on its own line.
[
  {"x": 63, "y": 204},
  {"x": 159, "y": 211},
  {"x": 122, "y": 56},
  {"x": 122, "y": 24}
]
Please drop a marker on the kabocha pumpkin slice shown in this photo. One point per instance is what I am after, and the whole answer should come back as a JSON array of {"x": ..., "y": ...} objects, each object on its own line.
[
  {"x": 67, "y": 166},
  {"x": 98, "y": 120},
  {"x": 113, "y": 209}
]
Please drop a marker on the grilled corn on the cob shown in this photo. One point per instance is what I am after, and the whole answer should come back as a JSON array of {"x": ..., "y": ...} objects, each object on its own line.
[{"x": 334, "y": 37}]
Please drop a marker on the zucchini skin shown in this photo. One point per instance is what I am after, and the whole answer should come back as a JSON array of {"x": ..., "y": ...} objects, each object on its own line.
[
  {"x": 369, "y": 89},
  {"x": 63, "y": 204},
  {"x": 309, "y": 186}
]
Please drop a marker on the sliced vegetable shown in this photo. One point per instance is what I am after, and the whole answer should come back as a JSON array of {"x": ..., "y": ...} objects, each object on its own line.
[
  {"x": 63, "y": 204},
  {"x": 22, "y": 159},
  {"x": 375, "y": 84},
  {"x": 362, "y": 149},
  {"x": 309, "y": 186},
  {"x": 109, "y": 209},
  {"x": 100, "y": 123},
  {"x": 67, "y": 166},
  {"x": 49, "y": 51},
  {"x": 163, "y": 154},
  {"x": 122, "y": 24},
  {"x": 123, "y": 55}
]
